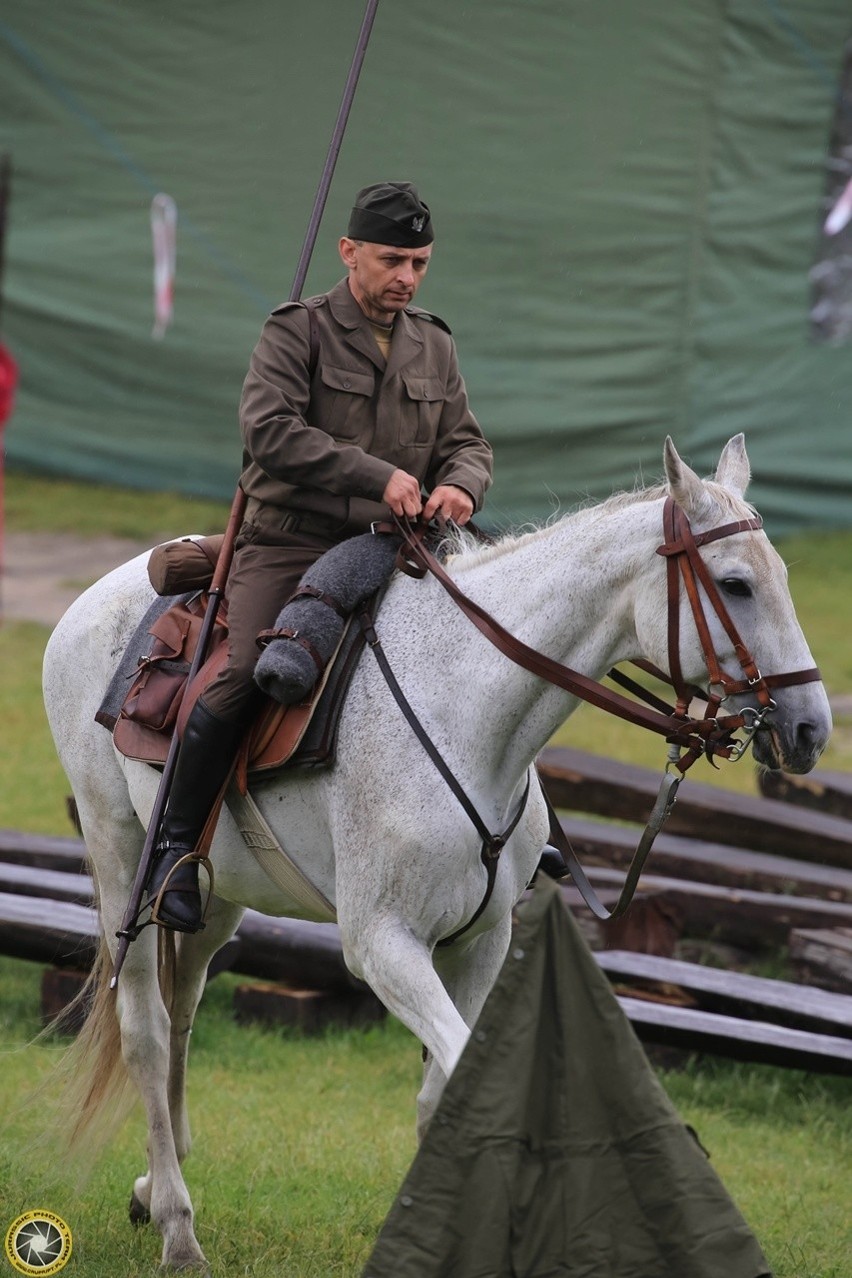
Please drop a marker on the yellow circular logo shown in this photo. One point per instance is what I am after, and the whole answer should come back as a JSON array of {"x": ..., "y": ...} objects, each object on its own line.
[{"x": 39, "y": 1242}]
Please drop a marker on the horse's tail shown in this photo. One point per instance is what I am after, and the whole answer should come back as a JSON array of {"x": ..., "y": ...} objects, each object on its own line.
[{"x": 97, "y": 1093}]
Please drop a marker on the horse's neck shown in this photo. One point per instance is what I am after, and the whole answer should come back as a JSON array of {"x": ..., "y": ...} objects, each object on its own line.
[{"x": 566, "y": 591}]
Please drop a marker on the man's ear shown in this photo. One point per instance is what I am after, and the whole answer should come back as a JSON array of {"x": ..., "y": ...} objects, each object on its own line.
[{"x": 346, "y": 248}]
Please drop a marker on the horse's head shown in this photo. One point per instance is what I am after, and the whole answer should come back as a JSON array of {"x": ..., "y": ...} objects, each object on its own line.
[{"x": 749, "y": 579}]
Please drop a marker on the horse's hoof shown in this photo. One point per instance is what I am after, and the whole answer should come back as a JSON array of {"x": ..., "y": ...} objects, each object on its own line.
[
  {"x": 139, "y": 1213},
  {"x": 198, "y": 1267}
]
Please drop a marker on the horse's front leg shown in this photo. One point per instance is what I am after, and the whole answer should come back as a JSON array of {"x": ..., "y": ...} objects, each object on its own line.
[
  {"x": 384, "y": 951},
  {"x": 468, "y": 972}
]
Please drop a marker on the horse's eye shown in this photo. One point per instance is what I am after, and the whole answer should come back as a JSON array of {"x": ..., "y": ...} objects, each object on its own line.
[{"x": 736, "y": 586}]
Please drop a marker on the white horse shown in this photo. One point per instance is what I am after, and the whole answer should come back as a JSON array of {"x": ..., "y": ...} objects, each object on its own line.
[{"x": 379, "y": 834}]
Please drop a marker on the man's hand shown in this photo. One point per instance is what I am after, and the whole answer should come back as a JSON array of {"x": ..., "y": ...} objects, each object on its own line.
[
  {"x": 453, "y": 503},
  {"x": 402, "y": 494}
]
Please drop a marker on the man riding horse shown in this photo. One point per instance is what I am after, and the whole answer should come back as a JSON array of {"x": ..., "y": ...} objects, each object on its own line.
[{"x": 353, "y": 404}]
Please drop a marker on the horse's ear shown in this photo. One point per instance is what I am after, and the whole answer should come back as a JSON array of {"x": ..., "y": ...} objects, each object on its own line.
[
  {"x": 684, "y": 485},
  {"x": 734, "y": 471}
]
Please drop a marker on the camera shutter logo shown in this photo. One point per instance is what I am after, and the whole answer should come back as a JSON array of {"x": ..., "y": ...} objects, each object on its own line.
[{"x": 39, "y": 1242}]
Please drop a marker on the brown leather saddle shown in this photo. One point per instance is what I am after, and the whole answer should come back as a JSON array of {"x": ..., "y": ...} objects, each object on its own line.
[{"x": 158, "y": 699}]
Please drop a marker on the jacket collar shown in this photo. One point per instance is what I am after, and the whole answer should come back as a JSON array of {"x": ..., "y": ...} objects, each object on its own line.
[{"x": 407, "y": 341}]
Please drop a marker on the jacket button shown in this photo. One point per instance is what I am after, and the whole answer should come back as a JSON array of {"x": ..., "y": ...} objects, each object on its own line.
[{"x": 346, "y": 385}]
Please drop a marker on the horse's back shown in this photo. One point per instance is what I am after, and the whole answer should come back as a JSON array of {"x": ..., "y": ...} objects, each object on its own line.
[{"x": 86, "y": 646}]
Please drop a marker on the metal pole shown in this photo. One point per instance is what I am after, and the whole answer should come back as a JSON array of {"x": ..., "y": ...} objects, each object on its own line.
[
  {"x": 129, "y": 928},
  {"x": 333, "y": 150}
]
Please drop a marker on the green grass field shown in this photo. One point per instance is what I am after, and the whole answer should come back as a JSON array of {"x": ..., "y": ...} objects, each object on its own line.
[{"x": 301, "y": 1144}]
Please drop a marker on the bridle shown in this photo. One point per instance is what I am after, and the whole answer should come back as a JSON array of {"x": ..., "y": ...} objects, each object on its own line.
[{"x": 688, "y": 738}]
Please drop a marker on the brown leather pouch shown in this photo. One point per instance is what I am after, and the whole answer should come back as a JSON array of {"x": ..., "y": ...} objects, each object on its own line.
[
  {"x": 178, "y": 566},
  {"x": 156, "y": 693}
]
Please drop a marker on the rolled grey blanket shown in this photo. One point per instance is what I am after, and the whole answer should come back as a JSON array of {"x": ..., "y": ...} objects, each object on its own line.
[{"x": 349, "y": 573}]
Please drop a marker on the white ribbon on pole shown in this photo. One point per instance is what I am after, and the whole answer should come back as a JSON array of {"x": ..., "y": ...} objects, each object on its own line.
[
  {"x": 164, "y": 235},
  {"x": 841, "y": 213}
]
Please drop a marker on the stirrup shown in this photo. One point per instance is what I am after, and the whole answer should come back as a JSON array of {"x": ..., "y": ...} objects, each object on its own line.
[{"x": 203, "y": 861}]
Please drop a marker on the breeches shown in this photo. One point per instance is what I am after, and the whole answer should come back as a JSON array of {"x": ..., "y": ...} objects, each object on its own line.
[{"x": 261, "y": 580}]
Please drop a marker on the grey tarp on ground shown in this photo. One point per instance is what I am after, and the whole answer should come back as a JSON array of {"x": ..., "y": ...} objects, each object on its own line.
[{"x": 555, "y": 1152}]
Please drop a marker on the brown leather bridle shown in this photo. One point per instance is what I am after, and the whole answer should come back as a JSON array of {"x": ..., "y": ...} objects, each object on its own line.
[
  {"x": 683, "y": 562},
  {"x": 712, "y": 734}
]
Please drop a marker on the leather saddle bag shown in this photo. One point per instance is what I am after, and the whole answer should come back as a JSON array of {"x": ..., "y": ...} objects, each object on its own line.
[{"x": 156, "y": 694}]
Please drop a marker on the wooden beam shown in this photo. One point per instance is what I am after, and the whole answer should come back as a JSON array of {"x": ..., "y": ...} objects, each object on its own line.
[
  {"x": 823, "y": 955},
  {"x": 55, "y": 885},
  {"x": 590, "y": 783},
  {"x": 755, "y": 1041},
  {"x": 47, "y": 852},
  {"x": 44, "y": 931},
  {"x": 309, "y": 1011},
  {"x": 684, "y": 858},
  {"x": 731, "y": 993},
  {"x": 753, "y": 920},
  {"x": 823, "y": 791}
]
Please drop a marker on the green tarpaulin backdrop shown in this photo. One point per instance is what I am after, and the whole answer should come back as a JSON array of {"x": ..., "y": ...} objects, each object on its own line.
[{"x": 627, "y": 200}]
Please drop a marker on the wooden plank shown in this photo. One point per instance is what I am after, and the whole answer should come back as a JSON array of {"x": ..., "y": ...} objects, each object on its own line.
[
  {"x": 295, "y": 952},
  {"x": 47, "y": 852},
  {"x": 731, "y": 993},
  {"x": 59, "y": 988},
  {"x": 591, "y": 783},
  {"x": 309, "y": 1011},
  {"x": 43, "y": 931},
  {"x": 684, "y": 858},
  {"x": 823, "y": 791},
  {"x": 69, "y": 936},
  {"x": 823, "y": 955},
  {"x": 56, "y": 885},
  {"x": 742, "y": 917},
  {"x": 755, "y": 1041}
]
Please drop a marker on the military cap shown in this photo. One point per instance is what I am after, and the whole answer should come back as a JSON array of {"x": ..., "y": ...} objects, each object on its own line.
[{"x": 391, "y": 213}]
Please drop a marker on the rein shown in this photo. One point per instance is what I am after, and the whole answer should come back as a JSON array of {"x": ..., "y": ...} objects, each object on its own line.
[{"x": 711, "y": 735}]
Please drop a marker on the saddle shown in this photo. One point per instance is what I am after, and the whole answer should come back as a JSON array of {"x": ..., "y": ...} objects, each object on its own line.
[{"x": 144, "y": 715}]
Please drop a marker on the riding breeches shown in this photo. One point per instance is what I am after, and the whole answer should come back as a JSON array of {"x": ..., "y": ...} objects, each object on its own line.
[{"x": 260, "y": 582}]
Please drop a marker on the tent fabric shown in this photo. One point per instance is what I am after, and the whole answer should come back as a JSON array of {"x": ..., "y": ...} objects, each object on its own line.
[
  {"x": 555, "y": 1152},
  {"x": 626, "y": 198}
]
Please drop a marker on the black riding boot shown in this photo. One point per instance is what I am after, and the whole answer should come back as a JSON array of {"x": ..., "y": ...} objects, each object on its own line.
[{"x": 206, "y": 753}]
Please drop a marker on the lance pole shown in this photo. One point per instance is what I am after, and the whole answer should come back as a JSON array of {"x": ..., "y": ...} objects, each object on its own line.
[{"x": 130, "y": 926}]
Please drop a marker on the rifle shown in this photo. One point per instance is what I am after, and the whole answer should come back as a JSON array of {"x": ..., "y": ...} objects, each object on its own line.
[{"x": 130, "y": 926}]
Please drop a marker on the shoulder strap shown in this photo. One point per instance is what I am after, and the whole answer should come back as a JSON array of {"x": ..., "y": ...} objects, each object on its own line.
[
  {"x": 313, "y": 328},
  {"x": 417, "y": 312}
]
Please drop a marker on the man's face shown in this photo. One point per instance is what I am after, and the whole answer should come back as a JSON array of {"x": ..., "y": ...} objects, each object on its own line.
[{"x": 383, "y": 279}]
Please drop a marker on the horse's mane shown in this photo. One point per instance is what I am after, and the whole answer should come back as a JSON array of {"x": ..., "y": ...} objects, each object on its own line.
[{"x": 467, "y": 552}]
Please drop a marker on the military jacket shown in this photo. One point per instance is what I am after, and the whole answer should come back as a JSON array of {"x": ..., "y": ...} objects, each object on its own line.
[{"x": 326, "y": 444}]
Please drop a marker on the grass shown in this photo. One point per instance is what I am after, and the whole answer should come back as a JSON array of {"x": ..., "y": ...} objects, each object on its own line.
[
  {"x": 36, "y": 504},
  {"x": 301, "y": 1144}
]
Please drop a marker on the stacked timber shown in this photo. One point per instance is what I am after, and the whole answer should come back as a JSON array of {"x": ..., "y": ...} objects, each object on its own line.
[{"x": 732, "y": 878}]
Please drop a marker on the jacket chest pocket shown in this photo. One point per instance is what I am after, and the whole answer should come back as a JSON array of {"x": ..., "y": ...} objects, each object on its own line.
[
  {"x": 423, "y": 403},
  {"x": 344, "y": 409}
]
